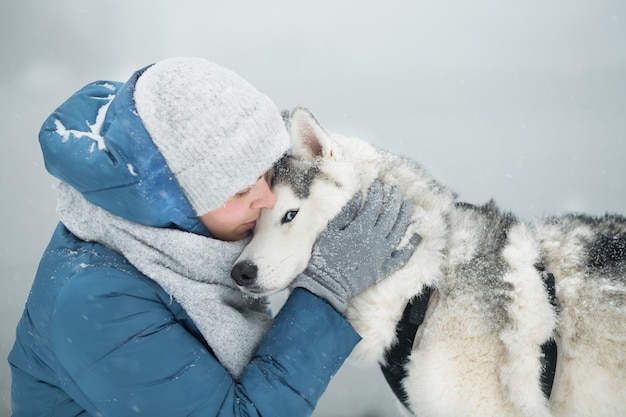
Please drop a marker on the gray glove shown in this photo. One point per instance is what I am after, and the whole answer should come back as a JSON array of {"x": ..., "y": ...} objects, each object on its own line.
[{"x": 359, "y": 247}]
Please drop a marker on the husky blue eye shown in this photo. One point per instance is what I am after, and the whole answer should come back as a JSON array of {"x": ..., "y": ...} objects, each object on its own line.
[{"x": 289, "y": 216}]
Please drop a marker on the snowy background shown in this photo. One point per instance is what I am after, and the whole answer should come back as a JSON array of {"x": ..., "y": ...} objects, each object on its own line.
[{"x": 522, "y": 101}]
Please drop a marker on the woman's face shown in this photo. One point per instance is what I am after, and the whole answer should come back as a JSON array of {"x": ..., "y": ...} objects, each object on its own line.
[{"x": 237, "y": 217}]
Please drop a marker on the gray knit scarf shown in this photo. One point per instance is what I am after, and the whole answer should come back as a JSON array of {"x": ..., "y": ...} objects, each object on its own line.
[{"x": 193, "y": 269}]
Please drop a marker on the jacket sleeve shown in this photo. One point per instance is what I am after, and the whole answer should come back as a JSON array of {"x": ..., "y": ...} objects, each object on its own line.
[
  {"x": 298, "y": 357},
  {"x": 122, "y": 353}
]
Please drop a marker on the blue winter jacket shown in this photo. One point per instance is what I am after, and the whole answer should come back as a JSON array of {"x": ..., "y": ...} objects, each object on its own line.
[{"x": 98, "y": 338}]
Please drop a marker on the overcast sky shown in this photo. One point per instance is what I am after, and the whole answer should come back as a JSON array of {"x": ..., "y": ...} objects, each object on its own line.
[{"x": 520, "y": 101}]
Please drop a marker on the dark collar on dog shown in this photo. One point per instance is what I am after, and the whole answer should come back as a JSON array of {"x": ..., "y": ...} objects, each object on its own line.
[
  {"x": 397, "y": 356},
  {"x": 548, "y": 363}
]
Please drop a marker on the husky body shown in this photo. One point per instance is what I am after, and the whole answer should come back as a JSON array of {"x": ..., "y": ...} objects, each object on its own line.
[{"x": 478, "y": 351}]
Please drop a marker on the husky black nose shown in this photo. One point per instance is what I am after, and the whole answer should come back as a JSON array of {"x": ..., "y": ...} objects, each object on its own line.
[{"x": 244, "y": 273}]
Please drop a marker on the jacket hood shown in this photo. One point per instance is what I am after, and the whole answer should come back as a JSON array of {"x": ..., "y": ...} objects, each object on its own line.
[{"x": 96, "y": 142}]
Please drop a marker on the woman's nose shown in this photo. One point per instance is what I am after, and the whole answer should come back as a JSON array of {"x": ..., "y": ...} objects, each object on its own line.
[{"x": 265, "y": 197}]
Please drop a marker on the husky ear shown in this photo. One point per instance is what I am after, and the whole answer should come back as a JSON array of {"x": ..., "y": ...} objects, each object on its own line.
[{"x": 309, "y": 140}]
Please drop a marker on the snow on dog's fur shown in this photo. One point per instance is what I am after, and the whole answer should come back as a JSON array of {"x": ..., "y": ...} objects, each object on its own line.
[{"x": 478, "y": 353}]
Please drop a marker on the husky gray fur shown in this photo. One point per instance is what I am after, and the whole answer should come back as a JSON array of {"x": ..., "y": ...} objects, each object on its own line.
[{"x": 478, "y": 351}]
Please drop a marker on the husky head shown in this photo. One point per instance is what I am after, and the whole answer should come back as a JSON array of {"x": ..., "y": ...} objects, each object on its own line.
[{"x": 311, "y": 184}]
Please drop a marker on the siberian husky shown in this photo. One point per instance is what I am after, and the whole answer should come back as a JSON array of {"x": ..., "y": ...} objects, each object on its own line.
[{"x": 495, "y": 290}]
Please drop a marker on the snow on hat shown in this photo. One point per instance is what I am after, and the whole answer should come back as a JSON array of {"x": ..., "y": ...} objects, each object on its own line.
[{"x": 217, "y": 133}]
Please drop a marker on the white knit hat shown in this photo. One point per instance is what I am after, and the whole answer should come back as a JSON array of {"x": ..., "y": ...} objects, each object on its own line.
[{"x": 217, "y": 133}]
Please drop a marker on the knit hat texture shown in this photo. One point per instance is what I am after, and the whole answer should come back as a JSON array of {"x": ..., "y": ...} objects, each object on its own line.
[{"x": 217, "y": 133}]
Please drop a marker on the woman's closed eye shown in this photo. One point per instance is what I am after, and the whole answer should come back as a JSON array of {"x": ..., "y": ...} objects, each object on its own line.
[{"x": 243, "y": 192}]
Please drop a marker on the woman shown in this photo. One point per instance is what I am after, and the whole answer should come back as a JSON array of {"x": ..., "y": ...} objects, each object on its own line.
[{"x": 132, "y": 311}]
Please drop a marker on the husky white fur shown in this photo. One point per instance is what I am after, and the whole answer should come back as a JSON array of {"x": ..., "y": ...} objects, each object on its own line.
[{"x": 478, "y": 352}]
